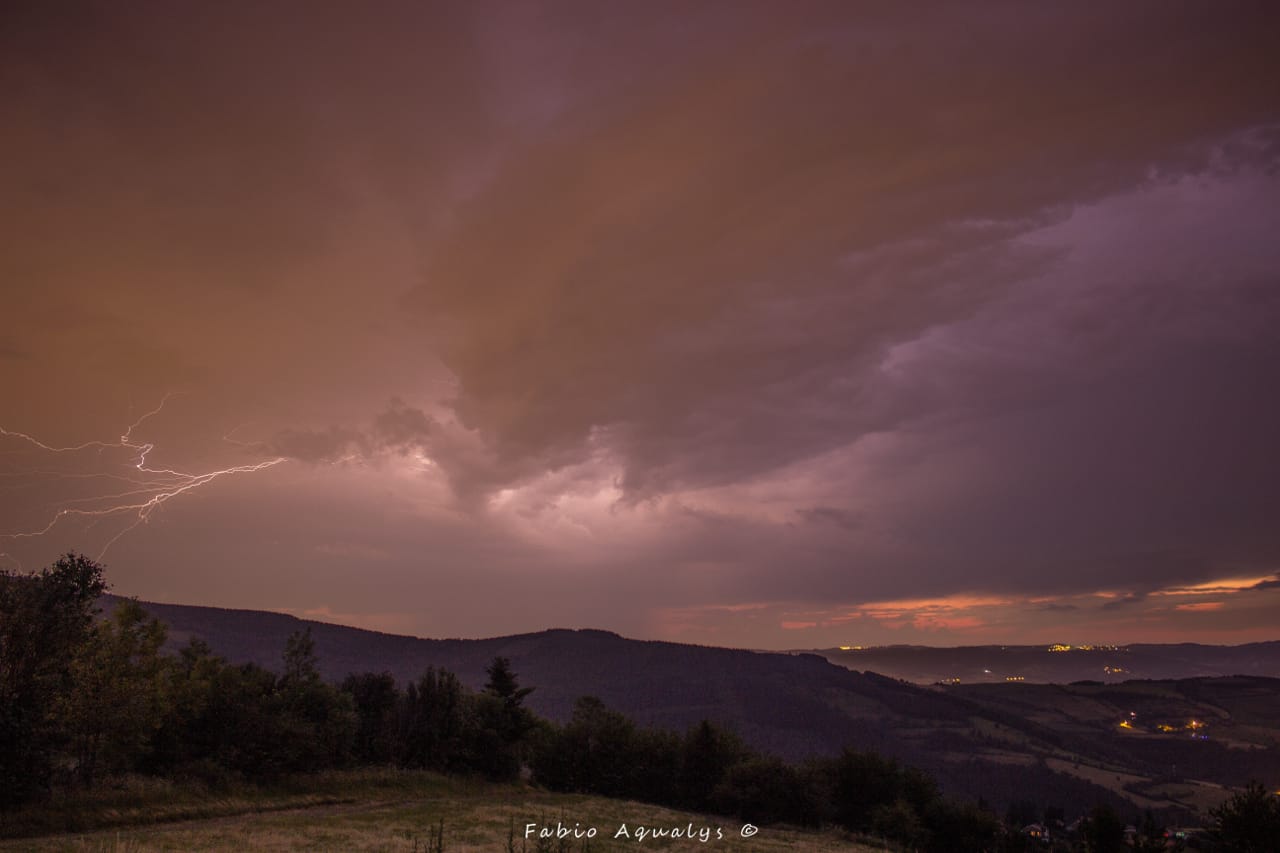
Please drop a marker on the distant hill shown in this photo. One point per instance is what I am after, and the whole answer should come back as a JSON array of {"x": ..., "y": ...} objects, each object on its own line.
[
  {"x": 780, "y": 702},
  {"x": 1059, "y": 664},
  {"x": 1069, "y": 746}
]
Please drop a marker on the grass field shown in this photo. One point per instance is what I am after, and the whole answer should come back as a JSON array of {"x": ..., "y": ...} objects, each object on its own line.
[
  {"x": 393, "y": 812},
  {"x": 1196, "y": 796}
]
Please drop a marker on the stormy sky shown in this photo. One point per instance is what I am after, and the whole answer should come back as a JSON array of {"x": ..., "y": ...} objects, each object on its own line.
[{"x": 774, "y": 325}]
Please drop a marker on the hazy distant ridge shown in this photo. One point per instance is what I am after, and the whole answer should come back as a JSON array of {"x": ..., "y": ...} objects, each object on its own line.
[{"x": 926, "y": 664}]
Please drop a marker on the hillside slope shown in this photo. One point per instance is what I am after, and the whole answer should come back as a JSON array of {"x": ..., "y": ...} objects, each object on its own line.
[{"x": 1052, "y": 744}]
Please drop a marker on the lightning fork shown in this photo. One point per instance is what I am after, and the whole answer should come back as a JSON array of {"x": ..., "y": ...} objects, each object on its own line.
[{"x": 155, "y": 487}]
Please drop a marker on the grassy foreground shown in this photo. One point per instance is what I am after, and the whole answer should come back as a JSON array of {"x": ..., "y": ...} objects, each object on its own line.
[{"x": 383, "y": 811}]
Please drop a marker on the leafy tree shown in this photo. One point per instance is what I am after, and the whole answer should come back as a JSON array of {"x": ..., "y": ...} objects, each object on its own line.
[
  {"x": 45, "y": 619},
  {"x": 241, "y": 723},
  {"x": 376, "y": 699},
  {"x": 318, "y": 721},
  {"x": 707, "y": 754},
  {"x": 898, "y": 821},
  {"x": 658, "y": 763},
  {"x": 861, "y": 782},
  {"x": 300, "y": 664},
  {"x": 117, "y": 698},
  {"x": 185, "y": 740},
  {"x": 248, "y": 721},
  {"x": 957, "y": 828},
  {"x": 918, "y": 789},
  {"x": 764, "y": 790},
  {"x": 432, "y": 723},
  {"x": 1249, "y": 822},
  {"x": 593, "y": 753}
]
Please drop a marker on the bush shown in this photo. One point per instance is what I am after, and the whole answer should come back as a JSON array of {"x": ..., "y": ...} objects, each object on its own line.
[
  {"x": 764, "y": 790},
  {"x": 1249, "y": 822}
]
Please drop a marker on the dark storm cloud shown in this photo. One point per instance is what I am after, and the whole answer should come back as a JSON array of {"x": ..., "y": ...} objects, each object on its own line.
[
  {"x": 713, "y": 263},
  {"x": 328, "y": 445},
  {"x": 402, "y": 426},
  {"x": 824, "y": 234},
  {"x": 194, "y": 196},
  {"x": 909, "y": 301},
  {"x": 1139, "y": 414},
  {"x": 398, "y": 429},
  {"x": 468, "y": 467}
]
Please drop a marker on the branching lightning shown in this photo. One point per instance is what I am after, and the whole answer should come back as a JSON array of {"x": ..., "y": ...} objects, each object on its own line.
[{"x": 151, "y": 486}]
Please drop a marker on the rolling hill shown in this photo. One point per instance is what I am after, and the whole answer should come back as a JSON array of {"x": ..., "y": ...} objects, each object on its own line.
[{"x": 1064, "y": 745}]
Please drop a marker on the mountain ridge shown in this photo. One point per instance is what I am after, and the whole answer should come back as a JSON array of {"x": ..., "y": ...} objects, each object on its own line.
[{"x": 1066, "y": 744}]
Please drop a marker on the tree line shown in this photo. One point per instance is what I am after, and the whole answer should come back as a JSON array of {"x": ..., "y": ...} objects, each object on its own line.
[{"x": 84, "y": 698}]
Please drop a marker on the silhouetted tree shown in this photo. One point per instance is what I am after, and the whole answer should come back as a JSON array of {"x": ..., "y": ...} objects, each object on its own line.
[
  {"x": 318, "y": 722},
  {"x": 764, "y": 790},
  {"x": 502, "y": 683},
  {"x": 376, "y": 698},
  {"x": 242, "y": 723},
  {"x": 432, "y": 718},
  {"x": 861, "y": 782},
  {"x": 593, "y": 753},
  {"x": 708, "y": 753},
  {"x": 185, "y": 740},
  {"x": 957, "y": 828},
  {"x": 248, "y": 721},
  {"x": 500, "y": 723},
  {"x": 45, "y": 620},
  {"x": 658, "y": 763},
  {"x": 117, "y": 698},
  {"x": 898, "y": 821},
  {"x": 1248, "y": 822},
  {"x": 300, "y": 664}
]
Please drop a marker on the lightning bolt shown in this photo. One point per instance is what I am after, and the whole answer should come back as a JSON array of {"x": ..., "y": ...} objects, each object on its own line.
[{"x": 152, "y": 487}]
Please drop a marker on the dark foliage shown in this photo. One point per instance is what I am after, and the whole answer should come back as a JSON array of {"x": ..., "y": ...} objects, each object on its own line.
[
  {"x": 432, "y": 715},
  {"x": 45, "y": 621},
  {"x": 376, "y": 702},
  {"x": 960, "y": 828},
  {"x": 82, "y": 699},
  {"x": 799, "y": 706},
  {"x": 764, "y": 790},
  {"x": 1249, "y": 822},
  {"x": 596, "y": 752}
]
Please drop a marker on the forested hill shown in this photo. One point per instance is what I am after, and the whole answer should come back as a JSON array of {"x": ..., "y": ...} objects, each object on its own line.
[
  {"x": 1004, "y": 742},
  {"x": 794, "y": 705}
]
